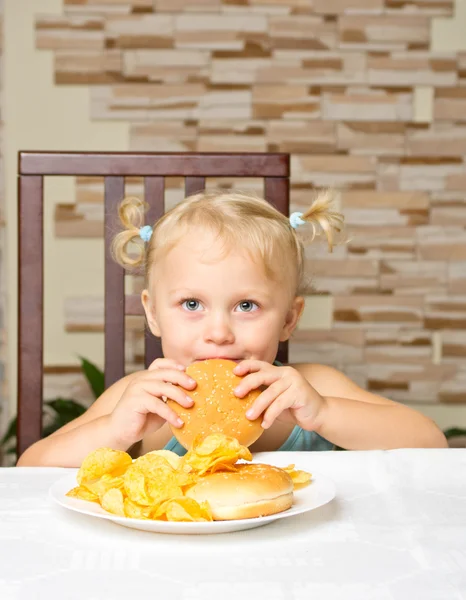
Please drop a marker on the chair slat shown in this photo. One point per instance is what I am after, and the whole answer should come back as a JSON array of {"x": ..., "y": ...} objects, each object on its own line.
[
  {"x": 193, "y": 185},
  {"x": 114, "y": 326},
  {"x": 150, "y": 164},
  {"x": 277, "y": 192},
  {"x": 154, "y": 195},
  {"x": 152, "y": 347},
  {"x": 30, "y": 311},
  {"x": 133, "y": 305},
  {"x": 154, "y": 167}
]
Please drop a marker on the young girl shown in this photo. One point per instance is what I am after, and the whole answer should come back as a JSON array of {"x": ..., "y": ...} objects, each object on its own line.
[{"x": 224, "y": 279}]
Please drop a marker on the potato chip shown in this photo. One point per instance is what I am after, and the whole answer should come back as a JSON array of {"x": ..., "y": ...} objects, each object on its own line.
[
  {"x": 137, "y": 476},
  {"x": 211, "y": 465},
  {"x": 184, "y": 509},
  {"x": 104, "y": 484},
  {"x": 206, "y": 510},
  {"x": 155, "y": 484},
  {"x": 214, "y": 449},
  {"x": 300, "y": 478},
  {"x": 151, "y": 480},
  {"x": 133, "y": 510},
  {"x": 184, "y": 480},
  {"x": 162, "y": 459},
  {"x": 161, "y": 490},
  {"x": 173, "y": 459},
  {"x": 216, "y": 443},
  {"x": 83, "y": 493},
  {"x": 113, "y": 501},
  {"x": 210, "y": 444},
  {"x": 152, "y": 463},
  {"x": 135, "y": 486},
  {"x": 101, "y": 462},
  {"x": 220, "y": 466}
]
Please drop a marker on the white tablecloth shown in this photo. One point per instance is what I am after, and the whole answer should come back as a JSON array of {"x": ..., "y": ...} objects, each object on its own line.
[{"x": 395, "y": 531}]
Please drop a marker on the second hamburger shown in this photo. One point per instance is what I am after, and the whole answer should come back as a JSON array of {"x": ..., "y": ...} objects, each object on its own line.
[{"x": 254, "y": 490}]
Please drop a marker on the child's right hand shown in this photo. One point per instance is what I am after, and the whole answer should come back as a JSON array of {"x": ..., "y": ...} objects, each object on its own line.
[{"x": 142, "y": 408}]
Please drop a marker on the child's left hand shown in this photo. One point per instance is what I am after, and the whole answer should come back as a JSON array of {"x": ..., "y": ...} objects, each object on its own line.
[{"x": 288, "y": 396}]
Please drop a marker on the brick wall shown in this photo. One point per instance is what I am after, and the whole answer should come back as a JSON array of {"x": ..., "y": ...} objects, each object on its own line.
[
  {"x": 355, "y": 92},
  {"x": 3, "y": 395}
]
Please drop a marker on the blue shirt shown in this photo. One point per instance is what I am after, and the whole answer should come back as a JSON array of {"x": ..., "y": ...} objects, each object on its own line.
[{"x": 299, "y": 439}]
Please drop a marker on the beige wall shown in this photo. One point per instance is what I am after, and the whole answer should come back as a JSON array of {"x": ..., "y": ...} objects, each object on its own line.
[
  {"x": 448, "y": 35},
  {"x": 40, "y": 114}
]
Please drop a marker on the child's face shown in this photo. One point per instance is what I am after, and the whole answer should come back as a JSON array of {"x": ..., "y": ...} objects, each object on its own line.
[{"x": 207, "y": 305}]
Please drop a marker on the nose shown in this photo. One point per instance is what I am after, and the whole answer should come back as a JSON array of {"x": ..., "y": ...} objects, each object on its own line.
[{"x": 218, "y": 330}]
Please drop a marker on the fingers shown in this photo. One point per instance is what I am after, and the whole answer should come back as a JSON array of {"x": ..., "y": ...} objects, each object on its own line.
[
  {"x": 165, "y": 363},
  {"x": 173, "y": 376},
  {"x": 154, "y": 405},
  {"x": 162, "y": 389},
  {"x": 256, "y": 373},
  {"x": 275, "y": 409},
  {"x": 249, "y": 366},
  {"x": 254, "y": 381},
  {"x": 265, "y": 400},
  {"x": 147, "y": 394}
]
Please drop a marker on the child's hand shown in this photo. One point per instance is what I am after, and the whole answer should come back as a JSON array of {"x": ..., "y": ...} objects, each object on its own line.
[
  {"x": 288, "y": 396},
  {"x": 142, "y": 408}
]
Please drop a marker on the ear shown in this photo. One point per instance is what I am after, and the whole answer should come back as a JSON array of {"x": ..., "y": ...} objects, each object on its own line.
[
  {"x": 150, "y": 313},
  {"x": 292, "y": 318}
]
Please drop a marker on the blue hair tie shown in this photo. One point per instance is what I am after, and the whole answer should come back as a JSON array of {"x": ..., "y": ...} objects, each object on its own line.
[
  {"x": 295, "y": 220},
  {"x": 145, "y": 233}
]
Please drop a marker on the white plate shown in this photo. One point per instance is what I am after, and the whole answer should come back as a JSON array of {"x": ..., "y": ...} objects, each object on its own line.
[{"x": 319, "y": 492}]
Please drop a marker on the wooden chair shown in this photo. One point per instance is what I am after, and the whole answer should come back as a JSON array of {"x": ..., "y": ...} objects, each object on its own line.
[{"x": 114, "y": 167}]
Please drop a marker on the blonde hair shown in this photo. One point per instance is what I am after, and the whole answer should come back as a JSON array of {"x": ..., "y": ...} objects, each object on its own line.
[{"x": 239, "y": 220}]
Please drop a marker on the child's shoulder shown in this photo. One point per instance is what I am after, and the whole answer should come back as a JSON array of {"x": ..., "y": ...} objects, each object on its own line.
[
  {"x": 331, "y": 382},
  {"x": 316, "y": 370},
  {"x": 327, "y": 380}
]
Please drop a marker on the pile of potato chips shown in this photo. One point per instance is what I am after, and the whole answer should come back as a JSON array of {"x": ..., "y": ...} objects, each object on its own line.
[{"x": 154, "y": 485}]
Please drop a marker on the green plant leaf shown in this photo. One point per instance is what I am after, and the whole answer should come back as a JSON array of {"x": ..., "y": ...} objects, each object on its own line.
[
  {"x": 94, "y": 376},
  {"x": 65, "y": 411},
  {"x": 10, "y": 432},
  {"x": 454, "y": 432}
]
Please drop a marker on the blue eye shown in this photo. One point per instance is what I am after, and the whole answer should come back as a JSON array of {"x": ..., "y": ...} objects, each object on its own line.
[
  {"x": 247, "y": 306},
  {"x": 191, "y": 305}
]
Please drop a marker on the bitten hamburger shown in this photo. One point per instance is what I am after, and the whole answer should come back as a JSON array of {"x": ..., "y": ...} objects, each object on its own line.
[
  {"x": 216, "y": 409},
  {"x": 254, "y": 490}
]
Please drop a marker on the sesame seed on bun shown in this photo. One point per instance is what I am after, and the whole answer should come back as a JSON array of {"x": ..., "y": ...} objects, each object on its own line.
[{"x": 216, "y": 409}]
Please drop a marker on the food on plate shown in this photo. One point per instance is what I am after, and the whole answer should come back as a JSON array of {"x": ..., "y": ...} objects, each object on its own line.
[
  {"x": 216, "y": 409},
  {"x": 253, "y": 490},
  {"x": 215, "y": 452},
  {"x": 208, "y": 483}
]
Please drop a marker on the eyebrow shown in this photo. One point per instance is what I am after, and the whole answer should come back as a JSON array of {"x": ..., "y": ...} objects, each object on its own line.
[
  {"x": 241, "y": 293},
  {"x": 183, "y": 292}
]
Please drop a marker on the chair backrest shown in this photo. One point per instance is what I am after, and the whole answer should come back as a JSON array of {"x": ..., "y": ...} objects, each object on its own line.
[{"x": 113, "y": 167}]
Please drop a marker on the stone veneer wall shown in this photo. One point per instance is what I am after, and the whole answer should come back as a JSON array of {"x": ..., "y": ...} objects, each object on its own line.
[
  {"x": 3, "y": 395},
  {"x": 353, "y": 90}
]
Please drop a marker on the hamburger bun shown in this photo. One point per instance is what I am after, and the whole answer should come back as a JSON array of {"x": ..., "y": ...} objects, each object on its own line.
[
  {"x": 216, "y": 409},
  {"x": 255, "y": 490}
]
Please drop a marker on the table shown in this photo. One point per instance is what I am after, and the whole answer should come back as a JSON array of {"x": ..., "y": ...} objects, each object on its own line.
[{"x": 395, "y": 531}]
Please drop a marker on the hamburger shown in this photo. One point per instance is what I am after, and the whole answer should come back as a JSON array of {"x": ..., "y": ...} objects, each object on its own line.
[
  {"x": 216, "y": 409},
  {"x": 254, "y": 490}
]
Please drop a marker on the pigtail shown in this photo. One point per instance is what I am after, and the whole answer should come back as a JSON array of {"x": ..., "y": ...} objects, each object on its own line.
[
  {"x": 131, "y": 213},
  {"x": 323, "y": 219}
]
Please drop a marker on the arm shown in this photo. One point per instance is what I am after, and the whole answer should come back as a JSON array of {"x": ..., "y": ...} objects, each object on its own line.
[
  {"x": 68, "y": 446},
  {"x": 358, "y": 420},
  {"x": 131, "y": 409}
]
